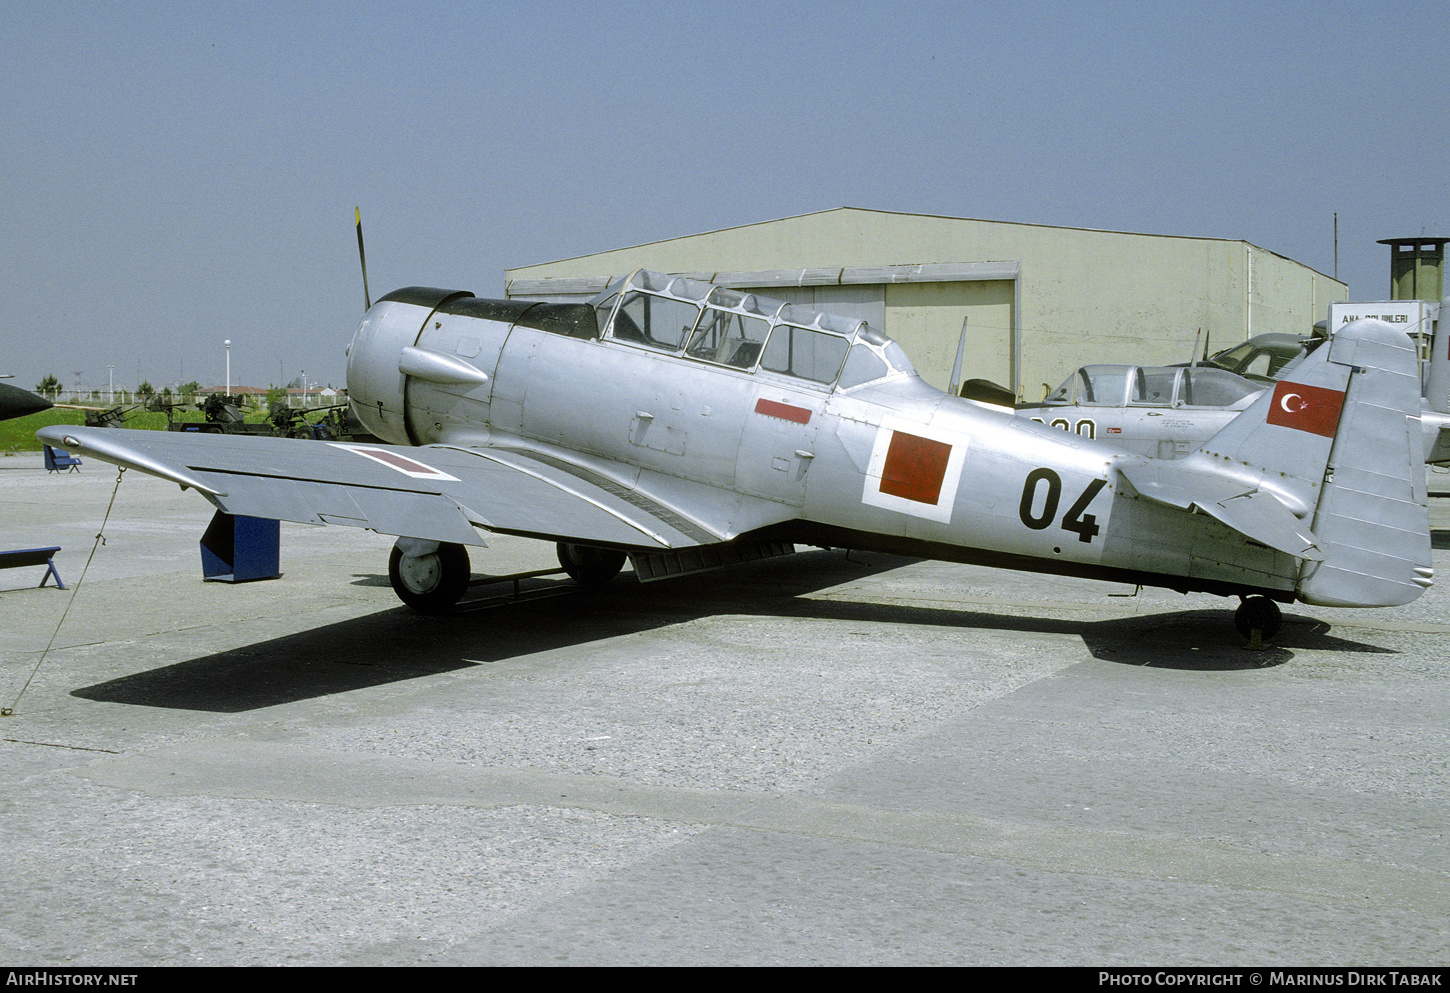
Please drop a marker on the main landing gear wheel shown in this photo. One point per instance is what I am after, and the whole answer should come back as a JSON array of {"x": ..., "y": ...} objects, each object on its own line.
[
  {"x": 1258, "y": 613},
  {"x": 588, "y": 565},
  {"x": 428, "y": 576}
]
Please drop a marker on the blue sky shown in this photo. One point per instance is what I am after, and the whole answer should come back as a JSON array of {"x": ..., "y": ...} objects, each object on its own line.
[{"x": 180, "y": 174}]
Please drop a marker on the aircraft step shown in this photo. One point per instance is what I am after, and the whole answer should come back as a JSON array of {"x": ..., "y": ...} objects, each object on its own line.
[{"x": 649, "y": 566}]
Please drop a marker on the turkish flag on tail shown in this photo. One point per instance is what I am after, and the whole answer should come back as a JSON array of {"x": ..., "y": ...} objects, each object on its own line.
[{"x": 1306, "y": 408}]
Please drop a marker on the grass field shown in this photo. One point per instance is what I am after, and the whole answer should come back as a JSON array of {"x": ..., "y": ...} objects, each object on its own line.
[{"x": 18, "y": 434}]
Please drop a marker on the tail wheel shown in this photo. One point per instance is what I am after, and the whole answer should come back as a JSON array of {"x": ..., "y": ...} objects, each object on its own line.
[
  {"x": 1258, "y": 613},
  {"x": 428, "y": 576},
  {"x": 588, "y": 565}
]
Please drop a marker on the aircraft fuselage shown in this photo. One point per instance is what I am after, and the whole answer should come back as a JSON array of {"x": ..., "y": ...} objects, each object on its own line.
[{"x": 888, "y": 463}]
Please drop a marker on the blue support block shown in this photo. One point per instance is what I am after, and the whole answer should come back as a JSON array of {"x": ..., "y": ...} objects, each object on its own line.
[
  {"x": 58, "y": 461},
  {"x": 34, "y": 556},
  {"x": 238, "y": 549}
]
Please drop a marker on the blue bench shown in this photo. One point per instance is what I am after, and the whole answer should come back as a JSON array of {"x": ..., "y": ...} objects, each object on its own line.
[
  {"x": 58, "y": 461},
  {"x": 33, "y": 556}
]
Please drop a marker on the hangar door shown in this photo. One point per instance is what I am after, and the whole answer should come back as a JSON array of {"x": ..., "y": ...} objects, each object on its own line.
[{"x": 926, "y": 318}]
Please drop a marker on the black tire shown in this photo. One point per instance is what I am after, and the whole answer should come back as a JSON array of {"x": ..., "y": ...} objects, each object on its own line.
[
  {"x": 588, "y": 565},
  {"x": 430, "y": 583},
  {"x": 1258, "y": 612}
]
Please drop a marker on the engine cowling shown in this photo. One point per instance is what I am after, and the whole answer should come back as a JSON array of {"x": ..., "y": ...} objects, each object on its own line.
[
  {"x": 376, "y": 378},
  {"x": 420, "y": 367}
]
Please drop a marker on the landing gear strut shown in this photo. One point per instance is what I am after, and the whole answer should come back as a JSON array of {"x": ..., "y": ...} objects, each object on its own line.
[
  {"x": 1258, "y": 619},
  {"x": 428, "y": 576}
]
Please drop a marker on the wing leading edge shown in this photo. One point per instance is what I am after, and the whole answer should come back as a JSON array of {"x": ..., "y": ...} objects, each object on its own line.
[{"x": 440, "y": 493}]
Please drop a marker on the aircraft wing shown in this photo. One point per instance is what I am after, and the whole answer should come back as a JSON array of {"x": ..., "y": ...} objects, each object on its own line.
[
  {"x": 1249, "y": 510},
  {"x": 438, "y": 492}
]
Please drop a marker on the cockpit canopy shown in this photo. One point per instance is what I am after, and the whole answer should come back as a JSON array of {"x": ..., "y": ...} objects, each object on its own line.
[
  {"x": 1154, "y": 386},
  {"x": 715, "y": 324},
  {"x": 1261, "y": 358}
]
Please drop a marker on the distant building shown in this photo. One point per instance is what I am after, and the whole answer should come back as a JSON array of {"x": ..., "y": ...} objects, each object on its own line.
[
  {"x": 1036, "y": 301},
  {"x": 297, "y": 396},
  {"x": 236, "y": 391}
]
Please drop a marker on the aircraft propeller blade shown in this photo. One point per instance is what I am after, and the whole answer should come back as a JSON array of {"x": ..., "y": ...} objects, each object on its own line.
[{"x": 363, "y": 258}]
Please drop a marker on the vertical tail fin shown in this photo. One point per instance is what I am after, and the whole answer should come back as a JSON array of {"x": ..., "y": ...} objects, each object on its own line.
[{"x": 1371, "y": 520}]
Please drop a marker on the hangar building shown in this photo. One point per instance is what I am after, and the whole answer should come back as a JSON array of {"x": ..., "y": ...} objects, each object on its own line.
[{"x": 1036, "y": 301}]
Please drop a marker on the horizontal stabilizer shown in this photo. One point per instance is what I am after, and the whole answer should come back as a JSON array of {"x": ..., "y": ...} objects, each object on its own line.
[{"x": 1254, "y": 513}]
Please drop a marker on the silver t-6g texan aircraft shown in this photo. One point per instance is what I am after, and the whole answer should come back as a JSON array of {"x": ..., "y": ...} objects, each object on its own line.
[{"x": 686, "y": 426}]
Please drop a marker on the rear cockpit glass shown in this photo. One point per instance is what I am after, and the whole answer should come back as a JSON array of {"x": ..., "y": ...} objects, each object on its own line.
[
  {"x": 728, "y": 327},
  {"x": 1205, "y": 386},
  {"x": 1155, "y": 387},
  {"x": 804, "y": 353}
]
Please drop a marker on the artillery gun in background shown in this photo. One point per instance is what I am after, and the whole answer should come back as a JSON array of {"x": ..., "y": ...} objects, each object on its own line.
[
  {"x": 108, "y": 417},
  {"x": 224, "y": 416}
]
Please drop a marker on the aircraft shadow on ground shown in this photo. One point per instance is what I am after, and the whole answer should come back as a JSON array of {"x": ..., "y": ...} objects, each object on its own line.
[
  {"x": 1182, "y": 639},
  {"x": 492, "y": 625}
]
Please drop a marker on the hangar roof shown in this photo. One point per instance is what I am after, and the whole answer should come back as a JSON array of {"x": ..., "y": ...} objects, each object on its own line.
[{"x": 851, "y": 237}]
